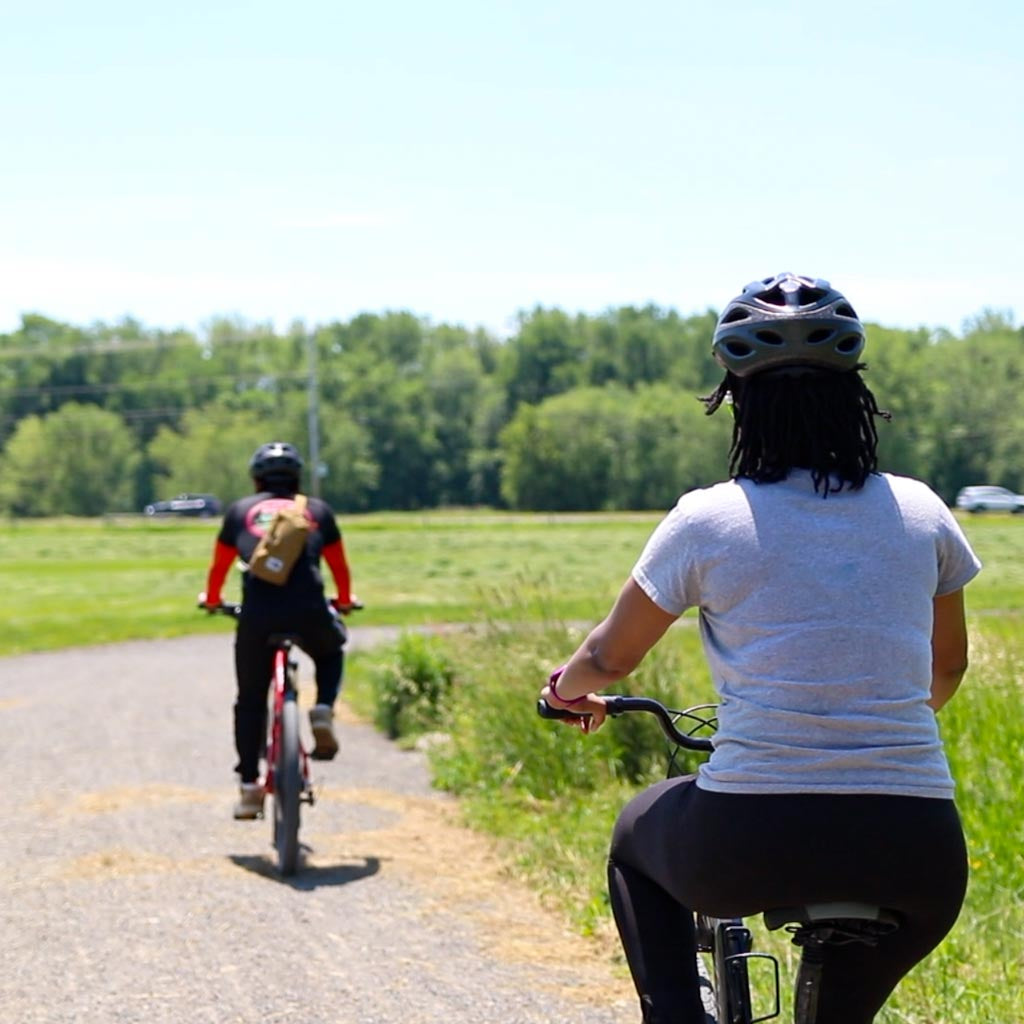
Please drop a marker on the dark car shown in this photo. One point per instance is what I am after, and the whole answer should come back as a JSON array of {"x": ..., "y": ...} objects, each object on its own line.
[{"x": 204, "y": 505}]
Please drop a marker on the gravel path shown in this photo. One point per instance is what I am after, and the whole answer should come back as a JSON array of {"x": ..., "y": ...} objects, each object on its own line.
[{"x": 128, "y": 893}]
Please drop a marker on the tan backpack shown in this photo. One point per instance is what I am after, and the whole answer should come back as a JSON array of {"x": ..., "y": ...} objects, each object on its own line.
[{"x": 282, "y": 544}]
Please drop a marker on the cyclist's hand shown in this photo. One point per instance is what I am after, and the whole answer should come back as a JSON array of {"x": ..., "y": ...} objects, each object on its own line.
[
  {"x": 588, "y": 714},
  {"x": 353, "y": 605},
  {"x": 204, "y": 602}
]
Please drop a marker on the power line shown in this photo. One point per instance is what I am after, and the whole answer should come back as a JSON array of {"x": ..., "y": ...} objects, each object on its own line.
[
  {"x": 68, "y": 390},
  {"x": 116, "y": 345}
]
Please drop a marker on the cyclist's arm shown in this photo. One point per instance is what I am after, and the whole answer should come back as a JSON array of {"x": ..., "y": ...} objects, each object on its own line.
[
  {"x": 223, "y": 556},
  {"x": 617, "y": 645},
  {"x": 949, "y": 647},
  {"x": 334, "y": 556}
]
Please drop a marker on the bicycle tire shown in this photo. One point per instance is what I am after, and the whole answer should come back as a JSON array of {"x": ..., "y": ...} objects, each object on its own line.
[
  {"x": 287, "y": 790},
  {"x": 806, "y": 992}
]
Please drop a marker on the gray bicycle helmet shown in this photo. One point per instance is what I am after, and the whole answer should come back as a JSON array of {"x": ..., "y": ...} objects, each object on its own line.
[
  {"x": 275, "y": 459},
  {"x": 788, "y": 320}
]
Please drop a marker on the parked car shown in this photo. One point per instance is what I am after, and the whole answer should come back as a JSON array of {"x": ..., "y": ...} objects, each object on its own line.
[
  {"x": 988, "y": 498},
  {"x": 204, "y": 505}
]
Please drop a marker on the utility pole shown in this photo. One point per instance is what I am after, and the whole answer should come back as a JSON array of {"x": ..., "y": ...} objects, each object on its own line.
[{"x": 313, "y": 389}]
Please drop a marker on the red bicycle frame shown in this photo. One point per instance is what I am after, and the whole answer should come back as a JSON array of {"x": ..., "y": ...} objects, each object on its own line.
[{"x": 282, "y": 684}]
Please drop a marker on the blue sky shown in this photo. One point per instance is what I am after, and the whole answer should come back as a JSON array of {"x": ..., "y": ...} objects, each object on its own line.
[{"x": 467, "y": 161}]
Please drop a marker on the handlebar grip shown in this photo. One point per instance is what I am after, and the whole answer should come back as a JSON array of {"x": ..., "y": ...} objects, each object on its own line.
[
  {"x": 620, "y": 704},
  {"x": 545, "y": 710},
  {"x": 224, "y": 608}
]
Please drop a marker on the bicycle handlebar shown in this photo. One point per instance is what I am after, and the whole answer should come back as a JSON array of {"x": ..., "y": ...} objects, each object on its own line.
[
  {"x": 234, "y": 610},
  {"x": 621, "y": 705},
  {"x": 224, "y": 608}
]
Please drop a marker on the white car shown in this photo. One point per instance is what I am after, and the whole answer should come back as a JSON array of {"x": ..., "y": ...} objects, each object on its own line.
[{"x": 989, "y": 499}]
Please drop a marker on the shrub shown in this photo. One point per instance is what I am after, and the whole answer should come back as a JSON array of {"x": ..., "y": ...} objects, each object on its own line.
[{"x": 411, "y": 692}]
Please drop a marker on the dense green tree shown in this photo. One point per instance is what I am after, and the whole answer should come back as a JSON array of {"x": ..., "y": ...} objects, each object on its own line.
[
  {"x": 635, "y": 346},
  {"x": 78, "y": 461},
  {"x": 24, "y": 474},
  {"x": 610, "y": 448},
  {"x": 899, "y": 374},
  {"x": 544, "y": 358},
  {"x": 485, "y": 458},
  {"x": 668, "y": 445},
  {"x": 392, "y": 407},
  {"x": 352, "y": 473},
  {"x": 454, "y": 382},
  {"x": 208, "y": 454},
  {"x": 559, "y": 455},
  {"x": 570, "y": 411}
]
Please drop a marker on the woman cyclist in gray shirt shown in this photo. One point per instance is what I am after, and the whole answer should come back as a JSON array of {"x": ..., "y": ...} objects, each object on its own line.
[{"x": 830, "y": 601}]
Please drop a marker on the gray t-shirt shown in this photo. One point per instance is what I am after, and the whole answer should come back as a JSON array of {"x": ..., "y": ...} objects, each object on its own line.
[{"x": 816, "y": 618}]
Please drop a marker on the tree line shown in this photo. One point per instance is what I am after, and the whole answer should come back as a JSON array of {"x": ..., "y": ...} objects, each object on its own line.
[{"x": 570, "y": 412}]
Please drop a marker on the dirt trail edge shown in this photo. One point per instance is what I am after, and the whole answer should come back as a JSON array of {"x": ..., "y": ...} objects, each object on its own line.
[{"x": 127, "y": 892}]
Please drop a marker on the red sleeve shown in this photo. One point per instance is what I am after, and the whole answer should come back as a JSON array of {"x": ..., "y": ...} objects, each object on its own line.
[
  {"x": 223, "y": 556},
  {"x": 334, "y": 556}
]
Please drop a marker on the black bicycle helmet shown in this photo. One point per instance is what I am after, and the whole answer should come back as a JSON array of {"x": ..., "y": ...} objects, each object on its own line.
[
  {"x": 788, "y": 320},
  {"x": 275, "y": 460}
]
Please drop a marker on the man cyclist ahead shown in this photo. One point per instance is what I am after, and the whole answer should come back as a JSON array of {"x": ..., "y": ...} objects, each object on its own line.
[
  {"x": 297, "y": 606},
  {"x": 830, "y": 600}
]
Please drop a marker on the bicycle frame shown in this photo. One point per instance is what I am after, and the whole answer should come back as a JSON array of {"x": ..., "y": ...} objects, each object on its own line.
[{"x": 283, "y": 688}]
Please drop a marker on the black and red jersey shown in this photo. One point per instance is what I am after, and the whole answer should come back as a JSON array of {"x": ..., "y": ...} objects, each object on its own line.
[{"x": 244, "y": 524}]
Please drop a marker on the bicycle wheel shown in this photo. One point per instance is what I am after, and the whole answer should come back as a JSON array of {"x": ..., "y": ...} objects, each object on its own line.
[{"x": 287, "y": 790}]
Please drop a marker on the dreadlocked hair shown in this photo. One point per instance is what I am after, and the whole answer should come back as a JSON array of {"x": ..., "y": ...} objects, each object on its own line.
[{"x": 821, "y": 420}]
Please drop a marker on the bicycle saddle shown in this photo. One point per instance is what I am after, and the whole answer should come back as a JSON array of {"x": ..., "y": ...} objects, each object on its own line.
[
  {"x": 818, "y": 924},
  {"x": 815, "y": 913},
  {"x": 279, "y": 639}
]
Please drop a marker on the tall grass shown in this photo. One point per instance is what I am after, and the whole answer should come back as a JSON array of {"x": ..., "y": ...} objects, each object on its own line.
[{"x": 551, "y": 795}]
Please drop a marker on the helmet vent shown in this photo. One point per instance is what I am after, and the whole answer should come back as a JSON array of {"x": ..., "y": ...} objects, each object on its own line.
[
  {"x": 809, "y": 296},
  {"x": 734, "y": 315},
  {"x": 845, "y": 309},
  {"x": 773, "y": 296},
  {"x": 818, "y": 336},
  {"x": 788, "y": 295},
  {"x": 769, "y": 338},
  {"x": 738, "y": 349},
  {"x": 850, "y": 343}
]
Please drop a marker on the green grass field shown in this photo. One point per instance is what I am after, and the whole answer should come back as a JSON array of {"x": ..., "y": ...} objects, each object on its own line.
[
  {"x": 71, "y": 582},
  {"x": 549, "y": 795}
]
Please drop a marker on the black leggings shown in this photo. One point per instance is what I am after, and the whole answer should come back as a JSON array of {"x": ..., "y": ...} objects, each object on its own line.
[
  {"x": 678, "y": 848},
  {"x": 323, "y": 638}
]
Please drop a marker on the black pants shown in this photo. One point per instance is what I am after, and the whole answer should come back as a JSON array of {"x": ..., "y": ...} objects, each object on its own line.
[
  {"x": 323, "y": 638},
  {"x": 677, "y": 848}
]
